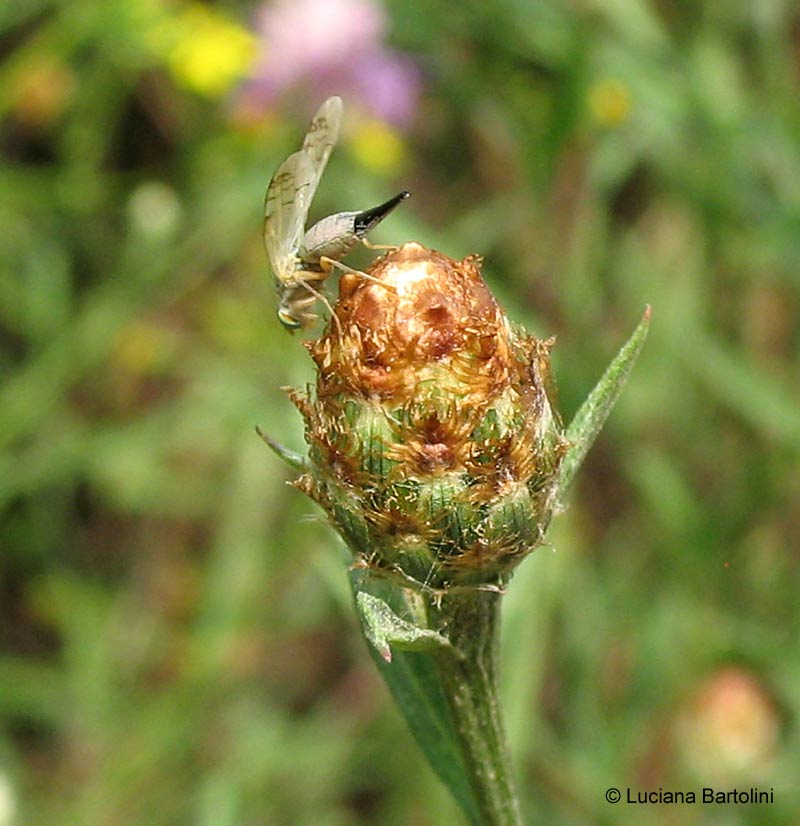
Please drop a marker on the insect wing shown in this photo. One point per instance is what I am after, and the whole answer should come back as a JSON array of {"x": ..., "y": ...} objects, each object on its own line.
[
  {"x": 292, "y": 189},
  {"x": 317, "y": 147},
  {"x": 286, "y": 206},
  {"x": 323, "y": 133}
]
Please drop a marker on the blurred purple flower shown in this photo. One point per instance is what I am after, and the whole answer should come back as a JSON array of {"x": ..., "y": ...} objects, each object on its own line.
[{"x": 331, "y": 47}]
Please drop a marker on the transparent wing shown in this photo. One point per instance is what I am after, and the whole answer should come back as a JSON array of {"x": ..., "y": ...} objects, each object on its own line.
[
  {"x": 322, "y": 136},
  {"x": 317, "y": 147},
  {"x": 285, "y": 207},
  {"x": 292, "y": 188}
]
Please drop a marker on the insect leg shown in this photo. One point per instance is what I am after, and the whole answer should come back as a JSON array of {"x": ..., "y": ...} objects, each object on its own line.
[
  {"x": 370, "y": 246},
  {"x": 320, "y": 297},
  {"x": 330, "y": 263}
]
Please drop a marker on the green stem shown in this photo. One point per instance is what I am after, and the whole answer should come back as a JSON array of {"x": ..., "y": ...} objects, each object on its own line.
[{"x": 469, "y": 677}]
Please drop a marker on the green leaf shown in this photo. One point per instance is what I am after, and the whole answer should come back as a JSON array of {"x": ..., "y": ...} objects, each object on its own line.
[
  {"x": 414, "y": 679},
  {"x": 383, "y": 628},
  {"x": 592, "y": 415}
]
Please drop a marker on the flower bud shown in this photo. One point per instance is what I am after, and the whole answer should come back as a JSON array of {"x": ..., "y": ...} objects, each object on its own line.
[{"x": 434, "y": 448}]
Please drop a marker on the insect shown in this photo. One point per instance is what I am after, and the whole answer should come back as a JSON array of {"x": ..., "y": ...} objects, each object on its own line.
[{"x": 299, "y": 259}]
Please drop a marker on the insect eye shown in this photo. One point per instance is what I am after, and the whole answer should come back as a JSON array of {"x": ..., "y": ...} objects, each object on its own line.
[{"x": 288, "y": 320}]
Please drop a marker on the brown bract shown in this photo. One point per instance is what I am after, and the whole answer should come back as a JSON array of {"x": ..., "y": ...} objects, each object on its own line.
[{"x": 420, "y": 318}]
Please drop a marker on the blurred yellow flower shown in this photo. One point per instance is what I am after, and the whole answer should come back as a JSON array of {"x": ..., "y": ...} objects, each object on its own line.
[
  {"x": 142, "y": 347},
  {"x": 230, "y": 320},
  {"x": 378, "y": 147},
  {"x": 610, "y": 102},
  {"x": 205, "y": 51},
  {"x": 42, "y": 88}
]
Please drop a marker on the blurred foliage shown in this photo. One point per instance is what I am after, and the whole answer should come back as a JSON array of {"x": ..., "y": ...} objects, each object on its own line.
[{"x": 176, "y": 641}]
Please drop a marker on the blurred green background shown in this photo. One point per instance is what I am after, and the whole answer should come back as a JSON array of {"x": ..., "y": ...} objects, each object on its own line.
[{"x": 177, "y": 644}]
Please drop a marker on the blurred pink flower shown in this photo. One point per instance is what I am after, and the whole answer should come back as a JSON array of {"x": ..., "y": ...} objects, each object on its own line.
[
  {"x": 331, "y": 47},
  {"x": 731, "y": 728}
]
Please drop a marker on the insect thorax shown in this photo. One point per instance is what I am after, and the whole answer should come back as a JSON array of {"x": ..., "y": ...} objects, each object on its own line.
[{"x": 296, "y": 272}]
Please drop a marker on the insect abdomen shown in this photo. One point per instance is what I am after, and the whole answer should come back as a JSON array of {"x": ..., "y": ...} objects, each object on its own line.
[
  {"x": 332, "y": 237},
  {"x": 367, "y": 220}
]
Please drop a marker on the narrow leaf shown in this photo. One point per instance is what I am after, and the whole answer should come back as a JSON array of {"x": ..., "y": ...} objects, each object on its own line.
[
  {"x": 294, "y": 460},
  {"x": 593, "y": 413}
]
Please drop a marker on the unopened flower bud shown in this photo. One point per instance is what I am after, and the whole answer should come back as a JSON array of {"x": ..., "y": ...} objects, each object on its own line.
[{"x": 434, "y": 448}]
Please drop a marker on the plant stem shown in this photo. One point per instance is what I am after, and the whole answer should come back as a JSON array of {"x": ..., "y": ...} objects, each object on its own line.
[{"x": 470, "y": 619}]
